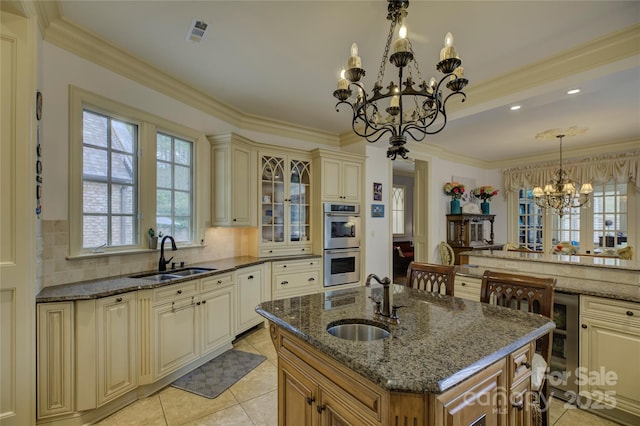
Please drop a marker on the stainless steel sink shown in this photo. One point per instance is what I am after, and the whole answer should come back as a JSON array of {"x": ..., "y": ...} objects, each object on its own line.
[
  {"x": 358, "y": 331},
  {"x": 190, "y": 271},
  {"x": 170, "y": 275}
]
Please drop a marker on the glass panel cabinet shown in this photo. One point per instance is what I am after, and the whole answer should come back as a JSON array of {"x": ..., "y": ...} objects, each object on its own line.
[{"x": 285, "y": 197}]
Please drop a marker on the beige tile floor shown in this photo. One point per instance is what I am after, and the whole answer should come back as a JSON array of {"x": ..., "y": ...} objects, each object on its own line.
[{"x": 253, "y": 400}]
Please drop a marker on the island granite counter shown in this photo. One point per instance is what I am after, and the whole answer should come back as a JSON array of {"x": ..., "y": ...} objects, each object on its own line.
[{"x": 442, "y": 349}]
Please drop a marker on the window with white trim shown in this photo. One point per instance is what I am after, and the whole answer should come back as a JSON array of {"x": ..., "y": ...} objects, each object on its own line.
[
  {"x": 129, "y": 171},
  {"x": 398, "y": 209},
  {"x": 109, "y": 181},
  {"x": 174, "y": 187},
  {"x": 566, "y": 229},
  {"x": 610, "y": 212},
  {"x": 530, "y": 221}
]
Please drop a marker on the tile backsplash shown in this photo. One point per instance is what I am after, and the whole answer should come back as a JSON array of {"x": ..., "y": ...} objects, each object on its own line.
[{"x": 219, "y": 243}]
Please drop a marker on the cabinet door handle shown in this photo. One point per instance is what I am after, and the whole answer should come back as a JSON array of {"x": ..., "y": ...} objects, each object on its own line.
[
  {"x": 311, "y": 279},
  {"x": 219, "y": 282},
  {"x": 518, "y": 404},
  {"x": 311, "y": 400},
  {"x": 204, "y": 301},
  {"x": 198, "y": 303},
  {"x": 284, "y": 283},
  {"x": 630, "y": 313},
  {"x": 320, "y": 408},
  {"x": 584, "y": 325},
  {"x": 179, "y": 292},
  {"x": 250, "y": 277}
]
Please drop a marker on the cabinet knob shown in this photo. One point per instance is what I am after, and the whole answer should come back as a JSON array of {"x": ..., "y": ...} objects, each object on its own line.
[
  {"x": 284, "y": 283},
  {"x": 584, "y": 325},
  {"x": 302, "y": 249},
  {"x": 464, "y": 284},
  {"x": 630, "y": 313},
  {"x": 219, "y": 282},
  {"x": 311, "y": 400},
  {"x": 284, "y": 266},
  {"x": 198, "y": 303},
  {"x": 250, "y": 277},
  {"x": 179, "y": 292},
  {"x": 235, "y": 220},
  {"x": 311, "y": 279},
  {"x": 204, "y": 301},
  {"x": 518, "y": 404},
  {"x": 320, "y": 408},
  {"x": 119, "y": 299}
]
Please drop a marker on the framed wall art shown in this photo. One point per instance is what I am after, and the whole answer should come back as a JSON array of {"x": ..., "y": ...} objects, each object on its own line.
[
  {"x": 377, "y": 210},
  {"x": 377, "y": 191}
]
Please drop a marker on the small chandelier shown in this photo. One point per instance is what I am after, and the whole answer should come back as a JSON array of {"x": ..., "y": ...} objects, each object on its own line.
[
  {"x": 560, "y": 194},
  {"x": 414, "y": 111}
]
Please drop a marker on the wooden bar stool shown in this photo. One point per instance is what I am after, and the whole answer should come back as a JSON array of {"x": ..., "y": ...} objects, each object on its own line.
[{"x": 433, "y": 278}]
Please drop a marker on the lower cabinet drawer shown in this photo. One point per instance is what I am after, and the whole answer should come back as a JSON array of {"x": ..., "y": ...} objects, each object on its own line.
[
  {"x": 296, "y": 280},
  {"x": 617, "y": 310},
  {"x": 467, "y": 288}
]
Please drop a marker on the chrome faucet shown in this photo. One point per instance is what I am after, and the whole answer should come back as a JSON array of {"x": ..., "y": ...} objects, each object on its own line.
[
  {"x": 386, "y": 300},
  {"x": 162, "y": 264}
]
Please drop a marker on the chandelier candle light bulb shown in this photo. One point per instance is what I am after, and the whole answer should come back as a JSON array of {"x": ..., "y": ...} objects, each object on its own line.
[
  {"x": 448, "y": 51},
  {"x": 402, "y": 43},
  {"x": 343, "y": 83},
  {"x": 354, "y": 60}
]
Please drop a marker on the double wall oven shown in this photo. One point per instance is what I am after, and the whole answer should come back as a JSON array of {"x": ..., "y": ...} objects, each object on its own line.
[{"x": 341, "y": 243}]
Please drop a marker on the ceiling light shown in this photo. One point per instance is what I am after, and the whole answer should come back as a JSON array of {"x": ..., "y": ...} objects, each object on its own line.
[
  {"x": 573, "y": 91},
  {"x": 560, "y": 194},
  {"x": 515, "y": 107},
  {"x": 409, "y": 107}
]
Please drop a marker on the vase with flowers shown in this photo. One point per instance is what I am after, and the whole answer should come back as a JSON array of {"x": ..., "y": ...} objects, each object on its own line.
[
  {"x": 455, "y": 190},
  {"x": 485, "y": 193}
]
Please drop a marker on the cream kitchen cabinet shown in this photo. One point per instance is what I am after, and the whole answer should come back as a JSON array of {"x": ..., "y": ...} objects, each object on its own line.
[
  {"x": 106, "y": 351},
  {"x": 609, "y": 350},
  {"x": 217, "y": 316},
  {"x": 233, "y": 174},
  {"x": 285, "y": 203},
  {"x": 295, "y": 278},
  {"x": 174, "y": 327},
  {"x": 467, "y": 287},
  {"x": 340, "y": 177},
  {"x": 55, "y": 369},
  {"x": 251, "y": 291}
]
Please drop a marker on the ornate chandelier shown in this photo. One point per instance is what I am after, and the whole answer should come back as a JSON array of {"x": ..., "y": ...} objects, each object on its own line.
[
  {"x": 414, "y": 111},
  {"x": 560, "y": 194}
]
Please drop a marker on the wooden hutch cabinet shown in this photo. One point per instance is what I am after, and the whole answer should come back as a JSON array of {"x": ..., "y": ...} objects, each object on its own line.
[{"x": 467, "y": 232}]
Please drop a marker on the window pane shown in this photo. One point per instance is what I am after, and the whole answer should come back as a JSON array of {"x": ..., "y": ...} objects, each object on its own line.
[
  {"x": 123, "y": 136},
  {"x": 122, "y": 199},
  {"x": 163, "y": 147},
  {"x": 610, "y": 223},
  {"x": 122, "y": 168},
  {"x": 164, "y": 225},
  {"x": 94, "y": 163},
  {"x": 182, "y": 228},
  {"x": 163, "y": 175},
  {"x": 121, "y": 230},
  {"x": 183, "y": 152},
  {"x": 163, "y": 202},
  {"x": 183, "y": 204},
  {"x": 529, "y": 221},
  {"x": 94, "y": 129},
  {"x": 183, "y": 178},
  {"x": 95, "y": 197},
  {"x": 94, "y": 231}
]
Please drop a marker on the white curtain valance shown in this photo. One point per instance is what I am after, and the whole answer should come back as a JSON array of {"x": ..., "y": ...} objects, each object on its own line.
[{"x": 601, "y": 169}]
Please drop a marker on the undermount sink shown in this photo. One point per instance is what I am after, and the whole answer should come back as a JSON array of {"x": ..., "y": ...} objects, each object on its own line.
[
  {"x": 170, "y": 275},
  {"x": 358, "y": 331}
]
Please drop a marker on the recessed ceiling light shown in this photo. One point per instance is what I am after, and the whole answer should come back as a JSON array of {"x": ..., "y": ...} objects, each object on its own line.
[
  {"x": 573, "y": 91},
  {"x": 515, "y": 107}
]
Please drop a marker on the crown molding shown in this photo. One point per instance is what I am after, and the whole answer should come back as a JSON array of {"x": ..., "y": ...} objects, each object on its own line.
[
  {"x": 568, "y": 154},
  {"x": 69, "y": 36}
]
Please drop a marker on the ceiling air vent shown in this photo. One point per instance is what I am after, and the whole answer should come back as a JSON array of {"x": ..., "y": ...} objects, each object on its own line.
[{"x": 196, "y": 31}]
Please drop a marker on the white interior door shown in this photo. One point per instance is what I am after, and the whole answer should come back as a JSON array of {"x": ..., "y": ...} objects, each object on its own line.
[{"x": 17, "y": 217}]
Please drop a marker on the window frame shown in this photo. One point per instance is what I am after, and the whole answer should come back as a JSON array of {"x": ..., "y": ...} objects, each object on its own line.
[
  {"x": 404, "y": 209},
  {"x": 148, "y": 127},
  {"x": 586, "y": 221}
]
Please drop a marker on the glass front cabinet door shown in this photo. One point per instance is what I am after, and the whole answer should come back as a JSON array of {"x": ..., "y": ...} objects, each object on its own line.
[{"x": 285, "y": 197}]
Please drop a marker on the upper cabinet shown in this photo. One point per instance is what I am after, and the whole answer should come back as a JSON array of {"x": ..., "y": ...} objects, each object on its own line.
[
  {"x": 285, "y": 200},
  {"x": 340, "y": 176},
  {"x": 233, "y": 186}
]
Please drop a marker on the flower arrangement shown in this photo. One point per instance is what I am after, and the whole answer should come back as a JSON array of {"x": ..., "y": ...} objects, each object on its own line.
[
  {"x": 486, "y": 193},
  {"x": 454, "y": 190}
]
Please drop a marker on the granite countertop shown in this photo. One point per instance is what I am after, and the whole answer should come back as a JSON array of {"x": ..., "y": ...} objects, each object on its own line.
[
  {"x": 439, "y": 342},
  {"x": 95, "y": 289},
  {"x": 594, "y": 261}
]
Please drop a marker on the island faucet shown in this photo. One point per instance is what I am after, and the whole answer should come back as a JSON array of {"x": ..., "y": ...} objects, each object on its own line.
[
  {"x": 162, "y": 264},
  {"x": 386, "y": 300}
]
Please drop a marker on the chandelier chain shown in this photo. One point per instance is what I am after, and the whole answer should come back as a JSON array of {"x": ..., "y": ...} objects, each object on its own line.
[{"x": 386, "y": 54}]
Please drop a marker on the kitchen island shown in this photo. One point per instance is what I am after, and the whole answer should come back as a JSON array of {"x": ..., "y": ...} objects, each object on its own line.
[{"x": 448, "y": 359}]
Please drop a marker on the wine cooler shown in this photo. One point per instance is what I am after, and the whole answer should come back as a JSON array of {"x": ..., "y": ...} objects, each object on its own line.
[{"x": 564, "y": 346}]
